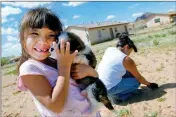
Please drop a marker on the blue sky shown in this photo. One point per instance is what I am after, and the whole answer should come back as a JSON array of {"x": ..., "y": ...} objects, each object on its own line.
[{"x": 72, "y": 13}]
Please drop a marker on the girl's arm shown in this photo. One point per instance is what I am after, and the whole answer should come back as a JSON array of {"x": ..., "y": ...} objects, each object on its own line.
[
  {"x": 53, "y": 98},
  {"x": 79, "y": 71}
]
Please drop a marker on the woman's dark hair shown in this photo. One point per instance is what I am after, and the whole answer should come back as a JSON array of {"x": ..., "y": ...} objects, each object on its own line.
[
  {"x": 125, "y": 40},
  {"x": 37, "y": 18}
]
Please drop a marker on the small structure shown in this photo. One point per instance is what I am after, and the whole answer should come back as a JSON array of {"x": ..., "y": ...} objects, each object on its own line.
[
  {"x": 15, "y": 59},
  {"x": 98, "y": 32},
  {"x": 172, "y": 15},
  {"x": 152, "y": 19}
]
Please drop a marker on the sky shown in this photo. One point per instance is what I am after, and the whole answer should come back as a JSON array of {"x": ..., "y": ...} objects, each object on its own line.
[{"x": 72, "y": 13}]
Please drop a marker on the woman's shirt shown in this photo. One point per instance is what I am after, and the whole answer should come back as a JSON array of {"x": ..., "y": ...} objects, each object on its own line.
[
  {"x": 110, "y": 68},
  {"x": 76, "y": 105}
]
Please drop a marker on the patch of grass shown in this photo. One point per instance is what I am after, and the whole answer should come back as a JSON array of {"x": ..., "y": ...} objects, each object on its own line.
[
  {"x": 161, "y": 99},
  {"x": 152, "y": 114},
  {"x": 160, "y": 68},
  {"x": 17, "y": 92},
  {"x": 172, "y": 32},
  {"x": 150, "y": 36},
  {"x": 12, "y": 72},
  {"x": 163, "y": 35},
  {"x": 124, "y": 113},
  {"x": 156, "y": 35}
]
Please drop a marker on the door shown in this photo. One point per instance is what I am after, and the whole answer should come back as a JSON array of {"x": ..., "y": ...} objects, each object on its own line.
[{"x": 111, "y": 32}]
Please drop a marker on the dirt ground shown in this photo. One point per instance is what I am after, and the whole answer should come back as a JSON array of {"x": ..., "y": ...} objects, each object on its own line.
[{"x": 156, "y": 65}]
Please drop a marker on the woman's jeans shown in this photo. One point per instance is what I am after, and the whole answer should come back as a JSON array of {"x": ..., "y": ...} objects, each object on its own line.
[{"x": 125, "y": 88}]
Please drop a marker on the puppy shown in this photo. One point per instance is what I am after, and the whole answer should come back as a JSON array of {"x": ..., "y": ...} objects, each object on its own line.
[{"x": 96, "y": 90}]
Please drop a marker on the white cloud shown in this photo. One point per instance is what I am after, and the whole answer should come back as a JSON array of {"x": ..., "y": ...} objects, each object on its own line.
[
  {"x": 110, "y": 17},
  {"x": 8, "y": 45},
  {"x": 76, "y": 16},
  {"x": 26, "y": 4},
  {"x": 64, "y": 21},
  {"x": 136, "y": 14},
  {"x": 17, "y": 45},
  {"x": 10, "y": 38},
  {"x": 10, "y": 49},
  {"x": 73, "y": 4},
  {"x": 8, "y": 10},
  {"x": 9, "y": 31},
  {"x": 133, "y": 6},
  {"x": 171, "y": 10}
]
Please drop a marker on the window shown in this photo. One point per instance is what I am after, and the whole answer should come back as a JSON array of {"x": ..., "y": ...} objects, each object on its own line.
[
  {"x": 115, "y": 29},
  {"x": 99, "y": 33},
  {"x": 157, "y": 20}
]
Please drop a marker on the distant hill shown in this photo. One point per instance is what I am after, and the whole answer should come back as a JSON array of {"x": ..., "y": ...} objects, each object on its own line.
[{"x": 144, "y": 16}]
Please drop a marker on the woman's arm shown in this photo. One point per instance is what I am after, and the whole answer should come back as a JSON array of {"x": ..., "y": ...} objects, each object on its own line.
[{"x": 131, "y": 67}]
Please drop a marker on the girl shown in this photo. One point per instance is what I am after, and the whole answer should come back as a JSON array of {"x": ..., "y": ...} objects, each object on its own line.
[{"x": 48, "y": 81}]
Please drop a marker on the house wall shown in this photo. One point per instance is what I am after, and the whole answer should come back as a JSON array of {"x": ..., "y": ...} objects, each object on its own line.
[
  {"x": 102, "y": 34},
  {"x": 81, "y": 32},
  {"x": 163, "y": 20}
]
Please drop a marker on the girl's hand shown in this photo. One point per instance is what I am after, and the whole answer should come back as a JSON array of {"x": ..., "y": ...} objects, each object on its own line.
[
  {"x": 79, "y": 71},
  {"x": 64, "y": 58}
]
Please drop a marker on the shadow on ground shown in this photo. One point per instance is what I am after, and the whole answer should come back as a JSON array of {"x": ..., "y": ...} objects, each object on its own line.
[{"x": 146, "y": 94}]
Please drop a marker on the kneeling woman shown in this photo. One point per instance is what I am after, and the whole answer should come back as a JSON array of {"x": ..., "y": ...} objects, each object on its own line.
[{"x": 118, "y": 71}]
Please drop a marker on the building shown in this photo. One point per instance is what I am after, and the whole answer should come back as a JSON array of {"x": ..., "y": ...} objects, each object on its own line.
[
  {"x": 98, "y": 32},
  {"x": 172, "y": 15},
  {"x": 152, "y": 20}
]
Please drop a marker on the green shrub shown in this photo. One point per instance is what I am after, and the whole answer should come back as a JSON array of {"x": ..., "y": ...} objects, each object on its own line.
[
  {"x": 156, "y": 35},
  {"x": 163, "y": 35},
  {"x": 4, "y": 60},
  {"x": 156, "y": 42},
  {"x": 150, "y": 36},
  {"x": 172, "y": 32}
]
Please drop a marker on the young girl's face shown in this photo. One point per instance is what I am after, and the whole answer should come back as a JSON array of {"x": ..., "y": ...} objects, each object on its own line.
[{"x": 38, "y": 41}]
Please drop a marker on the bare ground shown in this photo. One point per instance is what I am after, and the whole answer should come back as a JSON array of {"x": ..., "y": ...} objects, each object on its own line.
[{"x": 156, "y": 65}]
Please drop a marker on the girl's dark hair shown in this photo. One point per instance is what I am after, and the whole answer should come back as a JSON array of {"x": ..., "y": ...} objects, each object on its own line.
[
  {"x": 37, "y": 18},
  {"x": 125, "y": 40}
]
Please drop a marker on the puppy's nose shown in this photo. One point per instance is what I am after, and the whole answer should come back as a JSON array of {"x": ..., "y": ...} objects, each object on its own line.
[{"x": 52, "y": 49}]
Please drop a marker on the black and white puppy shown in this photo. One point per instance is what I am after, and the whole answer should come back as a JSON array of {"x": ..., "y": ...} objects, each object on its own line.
[{"x": 96, "y": 90}]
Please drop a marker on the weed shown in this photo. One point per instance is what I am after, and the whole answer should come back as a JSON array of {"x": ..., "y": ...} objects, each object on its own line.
[
  {"x": 156, "y": 42},
  {"x": 124, "y": 113},
  {"x": 161, "y": 99},
  {"x": 160, "y": 68},
  {"x": 17, "y": 92},
  {"x": 153, "y": 114}
]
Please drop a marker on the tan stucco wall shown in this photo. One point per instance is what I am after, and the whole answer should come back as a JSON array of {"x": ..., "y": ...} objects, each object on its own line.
[
  {"x": 163, "y": 20},
  {"x": 105, "y": 33},
  {"x": 81, "y": 33}
]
